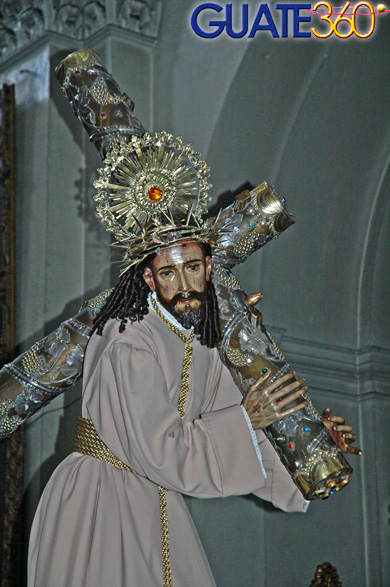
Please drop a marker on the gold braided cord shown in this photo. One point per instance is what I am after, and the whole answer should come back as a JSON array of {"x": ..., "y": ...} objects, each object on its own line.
[
  {"x": 185, "y": 375},
  {"x": 186, "y": 367},
  {"x": 313, "y": 407},
  {"x": 166, "y": 321},
  {"x": 281, "y": 353},
  {"x": 87, "y": 442},
  {"x": 165, "y": 549},
  {"x": 184, "y": 388}
]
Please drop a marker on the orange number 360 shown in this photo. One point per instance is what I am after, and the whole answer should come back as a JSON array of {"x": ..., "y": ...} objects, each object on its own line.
[{"x": 351, "y": 22}]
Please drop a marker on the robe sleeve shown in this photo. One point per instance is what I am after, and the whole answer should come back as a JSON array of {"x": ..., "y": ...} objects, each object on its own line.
[
  {"x": 278, "y": 487},
  {"x": 136, "y": 418}
]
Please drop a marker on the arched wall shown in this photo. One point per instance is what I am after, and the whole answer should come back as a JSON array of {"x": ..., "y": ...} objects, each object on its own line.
[
  {"x": 329, "y": 164},
  {"x": 311, "y": 118}
]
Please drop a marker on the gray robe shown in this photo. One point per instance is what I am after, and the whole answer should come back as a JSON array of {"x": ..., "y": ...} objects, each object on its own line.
[{"x": 99, "y": 526}]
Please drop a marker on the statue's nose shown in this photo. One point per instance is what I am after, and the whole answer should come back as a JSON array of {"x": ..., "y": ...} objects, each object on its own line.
[{"x": 184, "y": 286}]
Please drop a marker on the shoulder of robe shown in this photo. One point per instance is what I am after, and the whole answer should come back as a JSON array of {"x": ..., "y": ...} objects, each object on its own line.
[{"x": 144, "y": 335}]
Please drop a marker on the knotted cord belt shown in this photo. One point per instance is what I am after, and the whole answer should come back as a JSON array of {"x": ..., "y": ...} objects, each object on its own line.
[{"x": 87, "y": 442}]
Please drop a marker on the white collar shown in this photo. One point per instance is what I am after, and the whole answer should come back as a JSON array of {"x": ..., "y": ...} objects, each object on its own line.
[{"x": 165, "y": 312}]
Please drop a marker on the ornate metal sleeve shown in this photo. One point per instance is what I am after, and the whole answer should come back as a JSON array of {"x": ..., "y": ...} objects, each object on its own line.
[
  {"x": 301, "y": 440},
  {"x": 48, "y": 368},
  {"x": 105, "y": 112},
  {"x": 252, "y": 220}
]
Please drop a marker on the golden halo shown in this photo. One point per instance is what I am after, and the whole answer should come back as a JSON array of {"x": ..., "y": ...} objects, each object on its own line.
[{"x": 150, "y": 177}]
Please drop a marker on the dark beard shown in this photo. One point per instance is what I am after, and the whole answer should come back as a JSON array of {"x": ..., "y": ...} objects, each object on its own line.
[{"x": 190, "y": 318}]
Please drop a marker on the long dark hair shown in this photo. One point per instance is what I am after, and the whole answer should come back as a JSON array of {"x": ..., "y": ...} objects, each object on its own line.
[{"x": 129, "y": 301}]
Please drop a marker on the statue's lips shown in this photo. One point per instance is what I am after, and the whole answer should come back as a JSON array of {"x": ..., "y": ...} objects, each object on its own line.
[
  {"x": 189, "y": 301},
  {"x": 186, "y": 297},
  {"x": 184, "y": 304}
]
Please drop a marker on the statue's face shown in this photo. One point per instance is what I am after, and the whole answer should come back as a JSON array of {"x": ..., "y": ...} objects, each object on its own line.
[{"x": 179, "y": 275}]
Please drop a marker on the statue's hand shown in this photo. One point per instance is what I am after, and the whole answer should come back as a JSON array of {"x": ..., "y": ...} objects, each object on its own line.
[
  {"x": 340, "y": 432},
  {"x": 264, "y": 403}
]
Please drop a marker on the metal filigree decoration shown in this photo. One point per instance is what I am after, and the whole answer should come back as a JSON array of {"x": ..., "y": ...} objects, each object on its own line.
[
  {"x": 152, "y": 192},
  {"x": 301, "y": 440},
  {"x": 49, "y": 367},
  {"x": 326, "y": 576},
  {"x": 104, "y": 110},
  {"x": 255, "y": 218}
]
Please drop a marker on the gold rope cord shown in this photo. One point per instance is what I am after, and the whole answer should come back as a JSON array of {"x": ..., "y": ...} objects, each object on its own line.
[
  {"x": 87, "y": 442},
  {"x": 184, "y": 388},
  {"x": 185, "y": 371},
  {"x": 165, "y": 550}
]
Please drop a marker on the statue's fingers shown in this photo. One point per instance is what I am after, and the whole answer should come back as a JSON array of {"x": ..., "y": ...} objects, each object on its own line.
[
  {"x": 284, "y": 413},
  {"x": 260, "y": 381},
  {"x": 287, "y": 391},
  {"x": 278, "y": 382},
  {"x": 350, "y": 437},
  {"x": 285, "y": 401},
  {"x": 272, "y": 408},
  {"x": 336, "y": 419},
  {"x": 277, "y": 392},
  {"x": 343, "y": 428},
  {"x": 255, "y": 396},
  {"x": 353, "y": 450}
]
